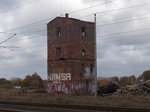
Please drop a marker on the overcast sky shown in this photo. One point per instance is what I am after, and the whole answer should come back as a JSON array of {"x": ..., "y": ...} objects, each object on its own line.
[{"x": 123, "y": 40}]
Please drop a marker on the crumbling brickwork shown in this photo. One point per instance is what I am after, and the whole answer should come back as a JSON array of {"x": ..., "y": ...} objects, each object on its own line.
[{"x": 71, "y": 50}]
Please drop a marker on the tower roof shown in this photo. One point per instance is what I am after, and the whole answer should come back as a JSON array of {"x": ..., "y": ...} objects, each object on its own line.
[{"x": 72, "y": 19}]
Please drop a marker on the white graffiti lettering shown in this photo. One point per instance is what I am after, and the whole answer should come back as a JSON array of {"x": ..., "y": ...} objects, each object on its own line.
[{"x": 59, "y": 77}]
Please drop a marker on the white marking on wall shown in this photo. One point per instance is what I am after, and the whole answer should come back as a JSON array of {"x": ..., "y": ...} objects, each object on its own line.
[{"x": 59, "y": 77}]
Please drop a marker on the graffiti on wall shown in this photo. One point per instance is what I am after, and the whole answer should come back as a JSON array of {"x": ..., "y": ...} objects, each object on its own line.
[
  {"x": 58, "y": 77},
  {"x": 61, "y": 83},
  {"x": 88, "y": 72},
  {"x": 66, "y": 88}
]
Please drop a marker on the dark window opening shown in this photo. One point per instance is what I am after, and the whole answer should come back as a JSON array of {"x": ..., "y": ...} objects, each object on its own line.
[
  {"x": 83, "y": 31},
  {"x": 62, "y": 58},
  {"x": 58, "y": 32},
  {"x": 83, "y": 52},
  {"x": 58, "y": 51},
  {"x": 91, "y": 68}
]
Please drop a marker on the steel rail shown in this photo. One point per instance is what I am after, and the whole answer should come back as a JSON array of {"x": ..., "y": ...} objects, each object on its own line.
[
  {"x": 77, "y": 107},
  {"x": 8, "y": 110}
]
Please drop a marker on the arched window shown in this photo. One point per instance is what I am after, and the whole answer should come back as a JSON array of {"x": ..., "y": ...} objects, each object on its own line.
[
  {"x": 83, "y": 52},
  {"x": 83, "y": 31},
  {"x": 58, "y": 32}
]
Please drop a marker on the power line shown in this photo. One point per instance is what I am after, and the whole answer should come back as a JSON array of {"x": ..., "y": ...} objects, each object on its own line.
[
  {"x": 9, "y": 47},
  {"x": 33, "y": 47},
  {"x": 7, "y": 33},
  {"x": 30, "y": 36},
  {"x": 121, "y": 39},
  {"x": 148, "y": 3},
  {"x": 135, "y": 6},
  {"x": 114, "y": 34},
  {"x": 22, "y": 50},
  {"x": 77, "y": 11},
  {"x": 97, "y": 25},
  {"x": 102, "y": 24},
  {"x": 127, "y": 49},
  {"x": 74, "y": 12},
  {"x": 81, "y": 17},
  {"x": 98, "y": 35},
  {"x": 28, "y": 25},
  {"x": 53, "y": 17},
  {"x": 7, "y": 39},
  {"x": 122, "y": 18},
  {"x": 82, "y": 9},
  {"x": 92, "y": 6},
  {"x": 123, "y": 21},
  {"x": 42, "y": 30}
]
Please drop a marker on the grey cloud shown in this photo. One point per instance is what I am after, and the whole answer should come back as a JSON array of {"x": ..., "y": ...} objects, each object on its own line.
[
  {"x": 7, "y": 5},
  {"x": 120, "y": 55}
]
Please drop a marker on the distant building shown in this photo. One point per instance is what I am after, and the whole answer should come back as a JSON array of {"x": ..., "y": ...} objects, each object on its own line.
[{"x": 70, "y": 56}]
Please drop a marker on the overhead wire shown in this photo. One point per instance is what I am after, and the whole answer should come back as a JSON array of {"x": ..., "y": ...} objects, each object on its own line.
[
  {"x": 113, "y": 10},
  {"x": 101, "y": 25},
  {"x": 23, "y": 26},
  {"x": 97, "y": 25},
  {"x": 43, "y": 30},
  {"x": 29, "y": 24},
  {"x": 97, "y": 13},
  {"x": 81, "y": 16},
  {"x": 7, "y": 33},
  {"x": 128, "y": 49},
  {"x": 9, "y": 47},
  {"x": 7, "y": 39},
  {"x": 114, "y": 34},
  {"x": 92, "y": 6},
  {"x": 121, "y": 39}
]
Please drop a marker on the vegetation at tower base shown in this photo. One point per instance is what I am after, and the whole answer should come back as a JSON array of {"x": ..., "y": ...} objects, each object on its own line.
[
  {"x": 126, "y": 85},
  {"x": 132, "y": 101},
  {"x": 30, "y": 81},
  {"x": 33, "y": 81},
  {"x": 145, "y": 76}
]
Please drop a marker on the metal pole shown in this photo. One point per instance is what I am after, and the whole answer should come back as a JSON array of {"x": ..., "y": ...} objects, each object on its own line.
[{"x": 95, "y": 48}]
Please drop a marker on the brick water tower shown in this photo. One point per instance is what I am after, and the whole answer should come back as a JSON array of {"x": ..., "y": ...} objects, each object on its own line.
[{"x": 70, "y": 44}]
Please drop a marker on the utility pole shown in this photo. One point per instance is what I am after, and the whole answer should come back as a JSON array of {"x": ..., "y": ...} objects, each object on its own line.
[{"x": 95, "y": 49}]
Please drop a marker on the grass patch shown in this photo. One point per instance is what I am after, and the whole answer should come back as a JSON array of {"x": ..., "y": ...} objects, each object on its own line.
[{"x": 112, "y": 101}]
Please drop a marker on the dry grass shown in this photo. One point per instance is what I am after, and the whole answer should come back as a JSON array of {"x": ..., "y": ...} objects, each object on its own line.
[{"x": 112, "y": 101}]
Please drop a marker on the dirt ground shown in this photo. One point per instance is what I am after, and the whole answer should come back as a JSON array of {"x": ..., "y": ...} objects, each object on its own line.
[{"x": 16, "y": 95}]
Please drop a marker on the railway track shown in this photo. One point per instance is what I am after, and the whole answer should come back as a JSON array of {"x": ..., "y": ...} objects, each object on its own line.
[{"x": 36, "y": 107}]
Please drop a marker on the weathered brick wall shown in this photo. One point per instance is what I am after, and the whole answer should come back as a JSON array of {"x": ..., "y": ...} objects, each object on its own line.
[
  {"x": 71, "y": 51},
  {"x": 72, "y": 45}
]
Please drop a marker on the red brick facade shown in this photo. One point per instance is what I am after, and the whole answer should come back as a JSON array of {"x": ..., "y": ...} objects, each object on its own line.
[{"x": 71, "y": 50}]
